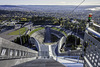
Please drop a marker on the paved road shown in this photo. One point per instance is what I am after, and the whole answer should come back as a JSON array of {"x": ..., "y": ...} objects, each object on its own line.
[
  {"x": 8, "y": 37},
  {"x": 11, "y": 37}
]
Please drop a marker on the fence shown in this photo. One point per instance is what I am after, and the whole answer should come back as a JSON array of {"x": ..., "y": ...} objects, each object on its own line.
[{"x": 92, "y": 51}]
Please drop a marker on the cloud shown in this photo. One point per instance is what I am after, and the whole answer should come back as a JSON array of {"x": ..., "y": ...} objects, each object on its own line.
[
  {"x": 97, "y": 3},
  {"x": 63, "y": 2}
]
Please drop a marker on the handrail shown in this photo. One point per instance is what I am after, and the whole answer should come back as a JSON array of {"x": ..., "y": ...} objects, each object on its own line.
[
  {"x": 87, "y": 61},
  {"x": 93, "y": 32},
  {"x": 92, "y": 50},
  {"x": 10, "y": 50},
  {"x": 96, "y": 25}
]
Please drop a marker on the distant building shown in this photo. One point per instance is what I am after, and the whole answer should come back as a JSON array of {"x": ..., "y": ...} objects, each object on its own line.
[
  {"x": 17, "y": 26},
  {"x": 12, "y": 23},
  {"x": 74, "y": 21}
]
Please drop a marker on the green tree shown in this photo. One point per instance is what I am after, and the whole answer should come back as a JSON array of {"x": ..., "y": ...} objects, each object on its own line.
[
  {"x": 70, "y": 39},
  {"x": 78, "y": 41},
  {"x": 73, "y": 47}
]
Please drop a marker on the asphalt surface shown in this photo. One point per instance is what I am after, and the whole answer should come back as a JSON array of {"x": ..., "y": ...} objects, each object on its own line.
[
  {"x": 47, "y": 38},
  {"x": 41, "y": 63},
  {"x": 44, "y": 51},
  {"x": 12, "y": 37},
  {"x": 8, "y": 37}
]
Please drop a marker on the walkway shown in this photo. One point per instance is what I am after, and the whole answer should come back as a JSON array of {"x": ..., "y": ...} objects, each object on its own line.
[
  {"x": 41, "y": 63},
  {"x": 68, "y": 62},
  {"x": 44, "y": 51}
]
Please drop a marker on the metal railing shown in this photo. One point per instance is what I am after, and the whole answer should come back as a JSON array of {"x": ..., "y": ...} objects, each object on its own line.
[{"x": 92, "y": 51}]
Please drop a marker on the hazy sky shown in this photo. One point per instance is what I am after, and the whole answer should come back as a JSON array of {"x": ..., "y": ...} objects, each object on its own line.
[{"x": 48, "y": 2}]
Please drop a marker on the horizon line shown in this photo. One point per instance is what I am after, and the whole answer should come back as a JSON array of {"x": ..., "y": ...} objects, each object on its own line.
[{"x": 54, "y": 5}]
